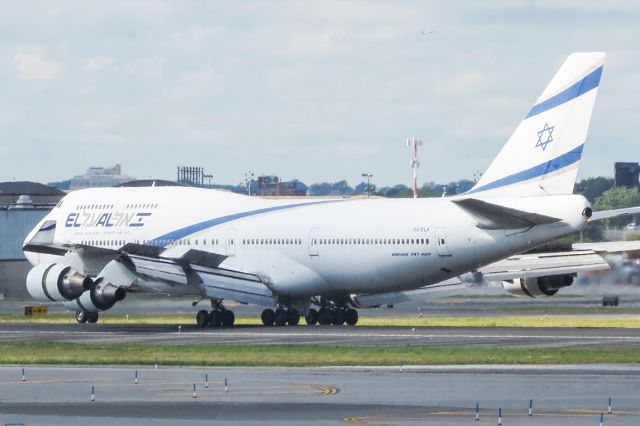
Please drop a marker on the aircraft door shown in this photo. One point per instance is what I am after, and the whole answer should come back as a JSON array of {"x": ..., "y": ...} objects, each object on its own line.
[
  {"x": 441, "y": 242},
  {"x": 314, "y": 241},
  {"x": 231, "y": 242}
]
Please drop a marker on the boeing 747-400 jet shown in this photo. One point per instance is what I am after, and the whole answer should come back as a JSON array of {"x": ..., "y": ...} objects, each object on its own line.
[{"x": 325, "y": 258}]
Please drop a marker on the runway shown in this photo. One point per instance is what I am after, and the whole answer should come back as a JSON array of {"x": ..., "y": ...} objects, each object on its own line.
[
  {"x": 319, "y": 396},
  {"x": 327, "y": 335}
]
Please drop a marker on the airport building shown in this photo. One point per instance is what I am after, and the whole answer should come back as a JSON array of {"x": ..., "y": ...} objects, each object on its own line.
[
  {"x": 95, "y": 177},
  {"x": 627, "y": 174},
  {"x": 271, "y": 186},
  {"x": 22, "y": 206}
]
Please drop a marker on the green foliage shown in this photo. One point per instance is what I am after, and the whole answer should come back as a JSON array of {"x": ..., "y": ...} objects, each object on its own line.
[
  {"x": 592, "y": 188},
  {"x": 618, "y": 198},
  {"x": 22, "y": 353}
]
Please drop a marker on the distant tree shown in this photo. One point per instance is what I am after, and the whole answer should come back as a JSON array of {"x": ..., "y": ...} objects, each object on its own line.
[
  {"x": 341, "y": 188},
  {"x": 319, "y": 189},
  {"x": 397, "y": 191},
  {"x": 618, "y": 198},
  {"x": 464, "y": 185},
  {"x": 361, "y": 188},
  {"x": 430, "y": 190},
  {"x": 325, "y": 188},
  {"x": 592, "y": 188}
]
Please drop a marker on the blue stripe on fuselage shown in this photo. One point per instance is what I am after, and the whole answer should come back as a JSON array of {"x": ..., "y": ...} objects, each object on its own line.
[
  {"x": 191, "y": 229},
  {"x": 591, "y": 81},
  {"x": 550, "y": 166}
]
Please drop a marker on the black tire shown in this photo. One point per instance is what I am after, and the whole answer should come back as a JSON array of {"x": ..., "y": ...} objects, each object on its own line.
[
  {"x": 337, "y": 317},
  {"x": 312, "y": 317},
  {"x": 215, "y": 318},
  {"x": 293, "y": 317},
  {"x": 81, "y": 317},
  {"x": 281, "y": 317},
  {"x": 92, "y": 317},
  {"x": 268, "y": 317},
  {"x": 228, "y": 318},
  {"x": 202, "y": 318},
  {"x": 351, "y": 316},
  {"x": 324, "y": 317}
]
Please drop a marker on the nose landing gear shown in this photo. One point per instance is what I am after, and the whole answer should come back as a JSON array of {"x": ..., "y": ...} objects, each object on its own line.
[{"x": 85, "y": 316}]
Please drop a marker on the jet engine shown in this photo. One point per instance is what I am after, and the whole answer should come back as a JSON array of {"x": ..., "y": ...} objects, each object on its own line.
[
  {"x": 56, "y": 282},
  {"x": 102, "y": 296},
  {"x": 536, "y": 287}
]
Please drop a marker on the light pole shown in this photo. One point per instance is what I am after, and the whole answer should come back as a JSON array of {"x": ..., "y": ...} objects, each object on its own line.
[
  {"x": 368, "y": 176},
  {"x": 248, "y": 179},
  {"x": 209, "y": 178},
  {"x": 415, "y": 163}
]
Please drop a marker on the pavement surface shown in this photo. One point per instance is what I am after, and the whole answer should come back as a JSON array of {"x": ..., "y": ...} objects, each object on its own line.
[
  {"x": 323, "y": 335},
  {"x": 566, "y": 395}
]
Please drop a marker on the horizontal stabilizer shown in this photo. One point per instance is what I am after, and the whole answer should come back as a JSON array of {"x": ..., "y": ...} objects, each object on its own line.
[
  {"x": 609, "y": 247},
  {"x": 494, "y": 216},
  {"x": 608, "y": 214}
]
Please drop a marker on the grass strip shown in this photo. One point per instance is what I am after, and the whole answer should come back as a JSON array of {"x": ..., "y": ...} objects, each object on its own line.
[
  {"x": 531, "y": 320},
  {"x": 22, "y": 353}
]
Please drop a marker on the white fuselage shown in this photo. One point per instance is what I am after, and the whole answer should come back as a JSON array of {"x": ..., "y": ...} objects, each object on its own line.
[{"x": 307, "y": 247}]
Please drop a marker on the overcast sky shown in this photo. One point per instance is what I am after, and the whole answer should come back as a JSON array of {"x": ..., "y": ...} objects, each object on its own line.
[{"x": 319, "y": 91}]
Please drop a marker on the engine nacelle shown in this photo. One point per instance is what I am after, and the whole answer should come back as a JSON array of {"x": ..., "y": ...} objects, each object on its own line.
[
  {"x": 540, "y": 286},
  {"x": 56, "y": 282},
  {"x": 102, "y": 296}
]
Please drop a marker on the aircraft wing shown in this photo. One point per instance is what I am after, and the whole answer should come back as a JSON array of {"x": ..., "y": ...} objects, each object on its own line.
[
  {"x": 520, "y": 266},
  {"x": 193, "y": 267},
  {"x": 203, "y": 267}
]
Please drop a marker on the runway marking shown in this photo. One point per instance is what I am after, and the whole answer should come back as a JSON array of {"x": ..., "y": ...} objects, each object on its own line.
[{"x": 326, "y": 390}]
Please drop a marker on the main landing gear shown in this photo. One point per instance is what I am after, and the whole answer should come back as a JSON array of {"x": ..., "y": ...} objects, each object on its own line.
[
  {"x": 328, "y": 314},
  {"x": 331, "y": 312},
  {"x": 332, "y": 316},
  {"x": 84, "y": 316},
  {"x": 218, "y": 317},
  {"x": 280, "y": 317}
]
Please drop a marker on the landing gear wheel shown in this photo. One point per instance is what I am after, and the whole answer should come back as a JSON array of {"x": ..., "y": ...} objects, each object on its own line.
[
  {"x": 351, "y": 316},
  {"x": 281, "y": 317},
  {"x": 215, "y": 318},
  {"x": 228, "y": 318},
  {"x": 202, "y": 318},
  {"x": 268, "y": 317},
  {"x": 337, "y": 317},
  {"x": 92, "y": 317},
  {"x": 324, "y": 317},
  {"x": 81, "y": 317},
  {"x": 293, "y": 316},
  {"x": 312, "y": 317}
]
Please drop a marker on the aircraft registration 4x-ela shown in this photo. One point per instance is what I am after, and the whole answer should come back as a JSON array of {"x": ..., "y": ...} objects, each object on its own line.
[{"x": 325, "y": 258}]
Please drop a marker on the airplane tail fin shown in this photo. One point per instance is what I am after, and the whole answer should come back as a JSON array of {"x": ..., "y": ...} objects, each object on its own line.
[{"x": 543, "y": 154}]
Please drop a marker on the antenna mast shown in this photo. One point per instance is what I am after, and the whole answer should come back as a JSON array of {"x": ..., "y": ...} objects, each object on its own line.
[{"x": 415, "y": 163}]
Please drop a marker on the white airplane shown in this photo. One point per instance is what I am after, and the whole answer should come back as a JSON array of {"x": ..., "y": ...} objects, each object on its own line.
[{"x": 99, "y": 244}]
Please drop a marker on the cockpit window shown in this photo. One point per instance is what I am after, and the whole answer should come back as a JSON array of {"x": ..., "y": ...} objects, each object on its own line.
[{"x": 59, "y": 204}]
